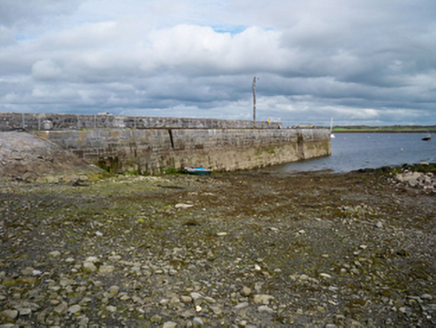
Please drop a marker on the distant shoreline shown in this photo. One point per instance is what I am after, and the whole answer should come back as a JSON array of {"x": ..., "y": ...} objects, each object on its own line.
[{"x": 383, "y": 131}]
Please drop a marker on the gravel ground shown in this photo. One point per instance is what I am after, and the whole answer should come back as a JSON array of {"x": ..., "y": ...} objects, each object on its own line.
[{"x": 245, "y": 249}]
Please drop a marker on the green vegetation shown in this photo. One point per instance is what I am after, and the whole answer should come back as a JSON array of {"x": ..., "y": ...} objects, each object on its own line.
[
  {"x": 393, "y": 128},
  {"x": 171, "y": 171}
]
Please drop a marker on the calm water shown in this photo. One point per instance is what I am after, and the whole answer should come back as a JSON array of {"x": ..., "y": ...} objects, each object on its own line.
[{"x": 353, "y": 151}]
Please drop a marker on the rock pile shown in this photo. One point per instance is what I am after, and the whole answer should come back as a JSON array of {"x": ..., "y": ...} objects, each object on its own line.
[
  {"x": 24, "y": 156},
  {"x": 426, "y": 181}
]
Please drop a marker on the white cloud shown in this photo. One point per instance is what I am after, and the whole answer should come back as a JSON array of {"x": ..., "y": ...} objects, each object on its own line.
[
  {"x": 358, "y": 61},
  {"x": 46, "y": 70}
]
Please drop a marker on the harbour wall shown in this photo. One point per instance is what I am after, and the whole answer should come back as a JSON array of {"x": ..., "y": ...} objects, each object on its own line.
[{"x": 155, "y": 145}]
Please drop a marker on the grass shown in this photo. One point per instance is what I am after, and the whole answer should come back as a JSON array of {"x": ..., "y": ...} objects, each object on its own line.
[{"x": 395, "y": 128}]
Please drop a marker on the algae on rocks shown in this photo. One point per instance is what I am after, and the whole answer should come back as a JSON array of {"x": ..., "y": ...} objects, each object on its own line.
[{"x": 254, "y": 249}]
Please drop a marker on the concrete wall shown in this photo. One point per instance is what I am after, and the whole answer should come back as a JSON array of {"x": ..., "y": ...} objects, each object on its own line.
[
  {"x": 154, "y": 144},
  {"x": 154, "y": 150}
]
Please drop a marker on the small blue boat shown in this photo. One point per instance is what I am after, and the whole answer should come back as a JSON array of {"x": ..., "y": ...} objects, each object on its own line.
[{"x": 197, "y": 170}]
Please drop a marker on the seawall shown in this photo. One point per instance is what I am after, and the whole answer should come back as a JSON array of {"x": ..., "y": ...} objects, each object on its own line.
[{"x": 153, "y": 145}]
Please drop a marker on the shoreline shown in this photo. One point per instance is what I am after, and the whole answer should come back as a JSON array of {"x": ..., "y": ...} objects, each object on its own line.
[
  {"x": 386, "y": 131},
  {"x": 231, "y": 249}
]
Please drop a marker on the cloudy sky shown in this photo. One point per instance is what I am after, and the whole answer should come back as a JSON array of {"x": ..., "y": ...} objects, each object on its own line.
[{"x": 359, "y": 61}]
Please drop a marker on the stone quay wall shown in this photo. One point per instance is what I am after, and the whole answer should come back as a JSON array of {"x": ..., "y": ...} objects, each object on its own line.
[
  {"x": 154, "y": 145},
  {"x": 154, "y": 151}
]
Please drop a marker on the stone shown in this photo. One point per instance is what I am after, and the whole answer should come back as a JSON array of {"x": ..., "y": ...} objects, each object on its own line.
[
  {"x": 61, "y": 308},
  {"x": 426, "y": 297},
  {"x": 10, "y": 314},
  {"x": 111, "y": 308},
  {"x": 325, "y": 275},
  {"x": 106, "y": 269},
  {"x": 403, "y": 309},
  {"x": 186, "y": 299},
  {"x": 209, "y": 300},
  {"x": 66, "y": 282},
  {"x": 55, "y": 254},
  {"x": 113, "y": 290},
  {"x": 183, "y": 206},
  {"x": 169, "y": 324},
  {"x": 92, "y": 259},
  {"x": 339, "y": 319},
  {"x": 97, "y": 283},
  {"x": 85, "y": 300},
  {"x": 245, "y": 291},
  {"x": 164, "y": 301},
  {"x": 24, "y": 311},
  {"x": 304, "y": 277},
  {"x": 195, "y": 296},
  {"x": 265, "y": 309},
  {"x": 27, "y": 271},
  {"x": 175, "y": 300},
  {"x": 74, "y": 309},
  {"x": 241, "y": 305},
  {"x": 156, "y": 318},
  {"x": 262, "y": 299},
  {"x": 84, "y": 322},
  {"x": 172, "y": 272},
  {"x": 188, "y": 314},
  {"x": 216, "y": 309},
  {"x": 197, "y": 322},
  {"x": 89, "y": 266}
]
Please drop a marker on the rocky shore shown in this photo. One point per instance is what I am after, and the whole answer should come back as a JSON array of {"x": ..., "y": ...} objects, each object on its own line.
[{"x": 246, "y": 249}]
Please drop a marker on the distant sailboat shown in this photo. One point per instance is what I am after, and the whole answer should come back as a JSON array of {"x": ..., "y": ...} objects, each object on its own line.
[
  {"x": 427, "y": 137},
  {"x": 332, "y": 136}
]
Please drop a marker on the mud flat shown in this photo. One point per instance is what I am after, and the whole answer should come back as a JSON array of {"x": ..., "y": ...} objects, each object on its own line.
[{"x": 245, "y": 249}]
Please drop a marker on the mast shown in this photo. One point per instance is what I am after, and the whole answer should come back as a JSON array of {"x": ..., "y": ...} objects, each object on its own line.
[{"x": 254, "y": 99}]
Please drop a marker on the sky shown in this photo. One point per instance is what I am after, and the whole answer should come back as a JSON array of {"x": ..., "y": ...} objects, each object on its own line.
[{"x": 360, "y": 62}]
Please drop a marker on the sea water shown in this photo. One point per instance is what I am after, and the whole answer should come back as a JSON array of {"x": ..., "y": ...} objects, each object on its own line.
[{"x": 353, "y": 151}]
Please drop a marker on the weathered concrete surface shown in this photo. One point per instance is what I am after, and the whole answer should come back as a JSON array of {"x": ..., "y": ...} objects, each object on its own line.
[{"x": 155, "y": 150}]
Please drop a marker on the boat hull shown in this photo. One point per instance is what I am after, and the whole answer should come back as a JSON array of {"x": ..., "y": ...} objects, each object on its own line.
[{"x": 198, "y": 171}]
